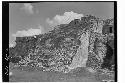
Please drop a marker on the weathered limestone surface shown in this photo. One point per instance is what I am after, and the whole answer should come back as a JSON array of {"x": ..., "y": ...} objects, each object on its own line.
[
  {"x": 81, "y": 56},
  {"x": 81, "y": 43}
]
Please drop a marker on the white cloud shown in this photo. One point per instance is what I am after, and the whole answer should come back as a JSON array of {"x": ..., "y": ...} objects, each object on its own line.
[
  {"x": 63, "y": 19},
  {"x": 28, "y": 8},
  {"x": 29, "y": 32}
]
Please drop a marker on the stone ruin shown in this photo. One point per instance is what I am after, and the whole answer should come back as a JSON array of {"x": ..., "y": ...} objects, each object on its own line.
[{"x": 86, "y": 42}]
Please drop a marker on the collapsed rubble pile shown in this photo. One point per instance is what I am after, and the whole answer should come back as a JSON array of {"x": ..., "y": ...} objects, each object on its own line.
[{"x": 85, "y": 42}]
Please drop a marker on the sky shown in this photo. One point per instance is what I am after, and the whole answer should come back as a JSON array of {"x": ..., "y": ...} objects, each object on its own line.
[{"x": 27, "y": 19}]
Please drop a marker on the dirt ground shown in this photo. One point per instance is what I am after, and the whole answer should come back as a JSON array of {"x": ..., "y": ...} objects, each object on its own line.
[{"x": 31, "y": 75}]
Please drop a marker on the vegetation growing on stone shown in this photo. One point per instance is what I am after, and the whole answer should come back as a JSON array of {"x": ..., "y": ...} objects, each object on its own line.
[{"x": 84, "y": 42}]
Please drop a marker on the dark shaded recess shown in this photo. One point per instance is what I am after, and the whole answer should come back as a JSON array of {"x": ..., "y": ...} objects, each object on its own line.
[
  {"x": 14, "y": 59},
  {"x": 107, "y": 29},
  {"x": 111, "y": 43},
  {"x": 108, "y": 59},
  {"x": 110, "y": 29},
  {"x": 95, "y": 45}
]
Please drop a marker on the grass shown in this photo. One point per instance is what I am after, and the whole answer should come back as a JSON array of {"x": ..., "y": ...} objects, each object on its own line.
[{"x": 28, "y": 74}]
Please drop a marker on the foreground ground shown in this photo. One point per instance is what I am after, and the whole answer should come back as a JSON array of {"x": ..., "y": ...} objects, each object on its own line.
[{"x": 78, "y": 75}]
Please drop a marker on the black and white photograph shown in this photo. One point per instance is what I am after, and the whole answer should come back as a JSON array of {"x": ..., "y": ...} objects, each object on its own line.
[{"x": 60, "y": 41}]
